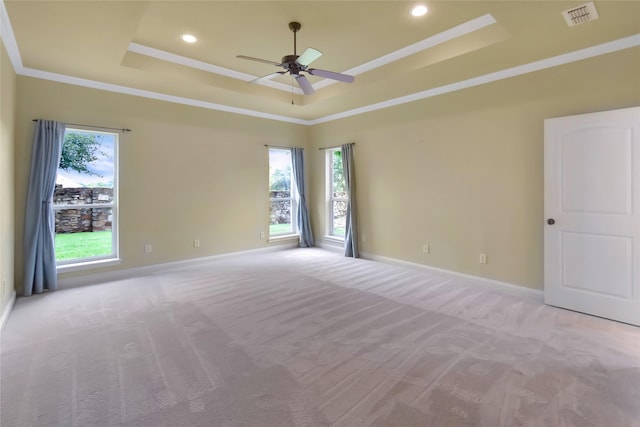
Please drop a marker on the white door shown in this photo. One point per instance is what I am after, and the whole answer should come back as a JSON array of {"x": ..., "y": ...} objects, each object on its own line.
[{"x": 592, "y": 214}]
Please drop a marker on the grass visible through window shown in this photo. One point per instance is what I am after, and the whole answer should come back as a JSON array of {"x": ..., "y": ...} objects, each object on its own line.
[
  {"x": 339, "y": 231},
  {"x": 82, "y": 245},
  {"x": 279, "y": 229}
]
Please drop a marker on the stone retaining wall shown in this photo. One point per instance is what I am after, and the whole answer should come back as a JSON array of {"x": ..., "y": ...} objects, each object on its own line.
[
  {"x": 279, "y": 210},
  {"x": 79, "y": 220}
]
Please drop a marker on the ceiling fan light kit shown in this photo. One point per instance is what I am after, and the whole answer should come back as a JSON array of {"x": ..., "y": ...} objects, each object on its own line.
[{"x": 294, "y": 65}]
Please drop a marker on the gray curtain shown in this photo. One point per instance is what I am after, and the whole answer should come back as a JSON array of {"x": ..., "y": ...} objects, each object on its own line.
[
  {"x": 351, "y": 230},
  {"x": 304, "y": 225},
  {"x": 39, "y": 227}
]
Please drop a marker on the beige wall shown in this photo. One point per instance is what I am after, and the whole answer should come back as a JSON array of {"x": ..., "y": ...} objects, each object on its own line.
[
  {"x": 185, "y": 173},
  {"x": 7, "y": 109},
  {"x": 463, "y": 172}
]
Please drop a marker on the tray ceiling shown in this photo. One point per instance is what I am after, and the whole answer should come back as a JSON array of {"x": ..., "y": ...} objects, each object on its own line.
[{"x": 135, "y": 47}]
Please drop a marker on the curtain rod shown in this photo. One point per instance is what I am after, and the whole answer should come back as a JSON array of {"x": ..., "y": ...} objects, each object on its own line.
[
  {"x": 335, "y": 146},
  {"x": 279, "y": 146},
  {"x": 97, "y": 127}
]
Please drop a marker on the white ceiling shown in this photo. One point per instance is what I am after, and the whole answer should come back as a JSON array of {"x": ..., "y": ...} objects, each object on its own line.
[{"x": 135, "y": 47}]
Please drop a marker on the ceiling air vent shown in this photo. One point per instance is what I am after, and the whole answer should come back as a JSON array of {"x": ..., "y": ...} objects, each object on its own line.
[{"x": 580, "y": 14}]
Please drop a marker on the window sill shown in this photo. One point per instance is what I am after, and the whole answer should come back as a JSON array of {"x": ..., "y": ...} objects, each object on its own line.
[
  {"x": 284, "y": 238},
  {"x": 88, "y": 265},
  {"x": 334, "y": 240}
]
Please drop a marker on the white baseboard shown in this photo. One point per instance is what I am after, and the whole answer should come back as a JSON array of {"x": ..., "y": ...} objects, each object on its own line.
[
  {"x": 109, "y": 276},
  {"x": 71, "y": 282},
  {"x": 521, "y": 291},
  {"x": 7, "y": 310},
  {"x": 330, "y": 245}
]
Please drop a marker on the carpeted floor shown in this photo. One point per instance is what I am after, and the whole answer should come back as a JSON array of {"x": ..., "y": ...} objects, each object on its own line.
[{"x": 308, "y": 338}]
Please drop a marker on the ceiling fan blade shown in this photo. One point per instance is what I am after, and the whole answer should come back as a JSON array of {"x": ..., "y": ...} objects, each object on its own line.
[
  {"x": 266, "y": 61},
  {"x": 268, "y": 76},
  {"x": 331, "y": 75},
  {"x": 308, "y": 56},
  {"x": 304, "y": 84}
]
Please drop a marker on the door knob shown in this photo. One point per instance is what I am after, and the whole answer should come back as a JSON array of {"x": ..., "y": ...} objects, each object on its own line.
[{"x": 551, "y": 221}]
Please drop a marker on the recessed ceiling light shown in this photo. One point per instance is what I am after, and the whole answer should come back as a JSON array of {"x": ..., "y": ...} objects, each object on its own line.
[
  {"x": 189, "y": 38},
  {"x": 419, "y": 10}
]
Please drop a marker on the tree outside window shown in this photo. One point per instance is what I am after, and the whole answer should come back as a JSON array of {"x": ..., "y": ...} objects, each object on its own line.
[
  {"x": 282, "y": 203},
  {"x": 85, "y": 197},
  {"x": 337, "y": 197}
]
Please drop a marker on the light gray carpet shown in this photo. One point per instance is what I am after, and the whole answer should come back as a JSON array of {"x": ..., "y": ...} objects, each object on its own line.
[{"x": 309, "y": 338}]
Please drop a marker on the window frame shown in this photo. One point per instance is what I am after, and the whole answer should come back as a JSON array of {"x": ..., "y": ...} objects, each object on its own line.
[
  {"x": 293, "y": 198},
  {"x": 330, "y": 199},
  {"x": 112, "y": 258}
]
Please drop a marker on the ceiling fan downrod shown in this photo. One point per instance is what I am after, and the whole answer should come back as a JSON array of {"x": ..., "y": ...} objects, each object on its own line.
[{"x": 295, "y": 27}]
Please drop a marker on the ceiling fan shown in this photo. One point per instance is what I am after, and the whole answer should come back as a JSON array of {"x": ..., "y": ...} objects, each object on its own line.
[{"x": 294, "y": 65}]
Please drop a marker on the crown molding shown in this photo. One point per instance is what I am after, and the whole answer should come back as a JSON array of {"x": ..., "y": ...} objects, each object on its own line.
[
  {"x": 76, "y": 81},
  {"x": 578, "y": 55},
  {"x": 432, "y": 41},
  {"x": 9, "y": 39}
]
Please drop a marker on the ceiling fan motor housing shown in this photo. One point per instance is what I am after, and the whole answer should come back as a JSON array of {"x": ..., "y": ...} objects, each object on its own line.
[{"x": 289, "y": 63}]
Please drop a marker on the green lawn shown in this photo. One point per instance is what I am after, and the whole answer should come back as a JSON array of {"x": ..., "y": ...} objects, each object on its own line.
[
  {"x": 82, "y": 245},
  {"x": 279, "y": 229}
]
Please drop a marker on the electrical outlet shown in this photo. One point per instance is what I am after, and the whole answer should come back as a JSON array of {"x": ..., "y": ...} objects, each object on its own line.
[
  {"x": 196, "y": 243},
  {"x": 262, "y": 234},
  {"x": 148, "y": 248},
  {"x": 426, "y": 249},
  {"x": 482, "y": 259}
]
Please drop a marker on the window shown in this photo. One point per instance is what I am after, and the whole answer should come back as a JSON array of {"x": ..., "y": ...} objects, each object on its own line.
[
  {"x": 336, "y": 194},
  {"x": 282, "y": 203},
  {"x": 85, "y": 200}
]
